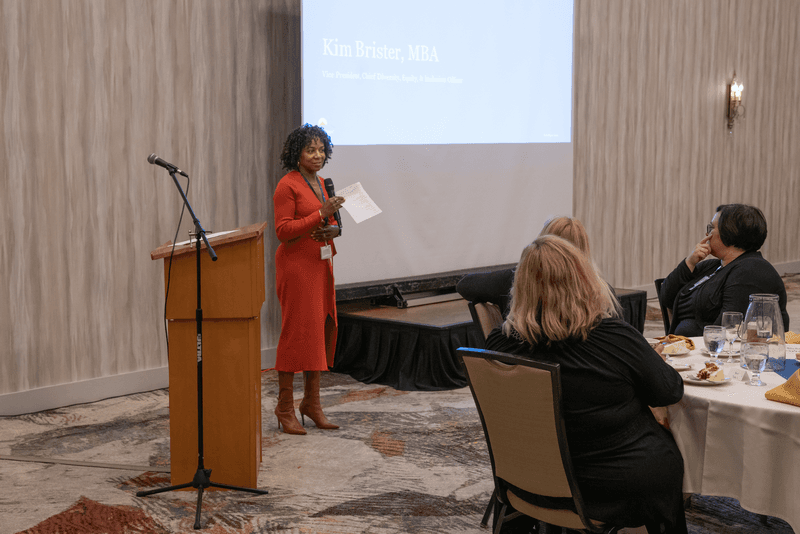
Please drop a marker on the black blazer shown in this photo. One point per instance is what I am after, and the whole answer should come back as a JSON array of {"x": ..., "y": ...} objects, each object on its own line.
[
  {"x": 729, "y": 289},
  {"x": 494, "y": 287}
]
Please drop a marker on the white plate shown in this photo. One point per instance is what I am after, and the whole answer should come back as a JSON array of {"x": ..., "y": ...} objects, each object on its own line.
[
  {"x": 682, "y": 366},
  {"x": 684, "y": 352},
  {"x": 691, "y": 378},
  {"x": 722, "y": 356}
]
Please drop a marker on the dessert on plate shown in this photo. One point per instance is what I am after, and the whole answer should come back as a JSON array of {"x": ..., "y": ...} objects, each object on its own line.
[{"x": 712, "y": 372}]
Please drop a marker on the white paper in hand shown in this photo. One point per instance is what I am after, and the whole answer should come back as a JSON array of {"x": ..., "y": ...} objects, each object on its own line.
[{"x": 358, "y": 205}]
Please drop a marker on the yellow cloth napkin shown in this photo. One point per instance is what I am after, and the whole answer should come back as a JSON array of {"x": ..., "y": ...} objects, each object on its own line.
[
  {"x": 792, "y": 338},
  {"x": 788, "y": 392}
]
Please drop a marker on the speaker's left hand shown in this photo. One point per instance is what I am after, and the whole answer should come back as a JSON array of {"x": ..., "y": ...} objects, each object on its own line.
[{"x": 325, "y": 233}]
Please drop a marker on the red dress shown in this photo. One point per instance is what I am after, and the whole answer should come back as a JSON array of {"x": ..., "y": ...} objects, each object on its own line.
[{"x": 304, "y": 281}]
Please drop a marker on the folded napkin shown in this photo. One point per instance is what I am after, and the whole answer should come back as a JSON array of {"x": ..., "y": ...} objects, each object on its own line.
[
  {"x": 792, "y": 337},
  {"x": 788, "y": 392}
]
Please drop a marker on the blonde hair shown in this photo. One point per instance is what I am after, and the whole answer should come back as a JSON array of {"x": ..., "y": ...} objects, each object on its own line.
[
  {"x": 570, "y": 229},
  {"x": 557, "y": 293}
]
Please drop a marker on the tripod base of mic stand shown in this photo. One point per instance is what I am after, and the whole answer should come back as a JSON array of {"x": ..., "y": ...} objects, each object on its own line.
[{"x": 201, "y": 481}]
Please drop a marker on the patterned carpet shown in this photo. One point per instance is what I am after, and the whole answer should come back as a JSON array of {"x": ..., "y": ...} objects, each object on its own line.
[
  {"x": 410, "y": 462},
  {"x": 402, "y": 462}
]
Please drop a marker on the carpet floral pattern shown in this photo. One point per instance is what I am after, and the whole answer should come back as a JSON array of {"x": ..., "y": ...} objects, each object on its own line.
[{"x": 403, "y": 462}]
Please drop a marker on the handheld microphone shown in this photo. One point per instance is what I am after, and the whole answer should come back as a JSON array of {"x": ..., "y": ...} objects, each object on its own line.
[
  {"x": 331, "y": 193},
  {"x": 155, "y": 160}
]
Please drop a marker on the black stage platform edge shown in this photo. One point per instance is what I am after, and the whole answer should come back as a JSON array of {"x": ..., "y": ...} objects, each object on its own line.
[
  {"x": 634, "y": 306},
  {"x": 408, "y": 355},
  {"x": 407, "y": 285},
  {"x": 633, "y": 302},
  {"x": 408, "y": 350},
  {"x": 414, "y": 353}
]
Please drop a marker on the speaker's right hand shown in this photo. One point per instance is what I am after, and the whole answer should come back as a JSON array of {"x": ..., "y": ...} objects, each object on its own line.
[{"x": 331, "y": 206}]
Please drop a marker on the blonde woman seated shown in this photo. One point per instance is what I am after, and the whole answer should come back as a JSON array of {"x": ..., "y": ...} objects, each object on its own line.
[
  {"x": 495, "y": 286},
  {"x": 629, "y": 468}
]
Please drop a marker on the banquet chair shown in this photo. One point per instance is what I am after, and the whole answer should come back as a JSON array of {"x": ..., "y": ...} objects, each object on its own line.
[
  {"x": 519, "y": 404},
  {"x": 486, "y": 315},
  {"x": 666, "y": 313}
]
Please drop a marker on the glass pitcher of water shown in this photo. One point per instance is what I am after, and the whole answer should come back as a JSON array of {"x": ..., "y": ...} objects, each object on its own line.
[{"x": 763, "y": 323}]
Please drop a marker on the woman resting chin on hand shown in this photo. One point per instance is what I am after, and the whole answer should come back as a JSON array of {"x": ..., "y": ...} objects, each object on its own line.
[{"x": 701, "y": 288}]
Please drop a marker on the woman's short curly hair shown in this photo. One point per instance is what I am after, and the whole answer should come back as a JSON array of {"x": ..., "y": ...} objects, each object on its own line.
[{"x": 298, "y": 140}]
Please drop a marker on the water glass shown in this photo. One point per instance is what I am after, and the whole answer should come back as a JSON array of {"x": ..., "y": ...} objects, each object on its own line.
[
  {"x": 755, "y": 356},
  {"x": 731, "y": 322},
  {"x": 714, "y": 339}
]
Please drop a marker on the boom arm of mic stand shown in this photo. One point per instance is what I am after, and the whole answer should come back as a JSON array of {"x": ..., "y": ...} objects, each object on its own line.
[
  {"x": 208, "y": 246},
  {"x": 197, "y": 224}
]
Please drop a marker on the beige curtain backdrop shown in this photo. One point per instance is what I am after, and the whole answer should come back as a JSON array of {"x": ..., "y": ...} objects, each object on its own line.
[
  {"x": 89, "y": 88},
  {"x": 653, "y": 157}
]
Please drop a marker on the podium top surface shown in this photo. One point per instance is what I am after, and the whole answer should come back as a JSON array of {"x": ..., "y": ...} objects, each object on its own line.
[{"x": 240, "y": 234}]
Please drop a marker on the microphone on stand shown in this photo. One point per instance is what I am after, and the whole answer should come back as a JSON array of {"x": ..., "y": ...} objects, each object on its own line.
[
  {"x": 155, "y": 160},
  {"x": 331, "y": 193}
]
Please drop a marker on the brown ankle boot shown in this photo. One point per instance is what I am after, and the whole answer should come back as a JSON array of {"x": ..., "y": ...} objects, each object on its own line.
[
  {"x": 284, "y": 411},
  {"x": 310, "y": 407}
]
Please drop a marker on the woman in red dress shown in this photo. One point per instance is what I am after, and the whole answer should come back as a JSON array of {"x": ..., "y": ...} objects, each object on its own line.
[{"x": 304, "y": 274}]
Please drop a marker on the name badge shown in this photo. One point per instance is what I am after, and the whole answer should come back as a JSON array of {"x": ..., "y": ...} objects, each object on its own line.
[
  {"x": 699, "y": 282},
  {"x": 325, "y": 252}
]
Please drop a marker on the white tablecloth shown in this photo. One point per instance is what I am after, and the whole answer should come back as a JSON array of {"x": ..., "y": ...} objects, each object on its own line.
[{"x": 736, "y": 443}]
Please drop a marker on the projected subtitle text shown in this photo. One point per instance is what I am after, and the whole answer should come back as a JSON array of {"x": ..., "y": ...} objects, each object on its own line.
[{"x": 381, "y": 77}]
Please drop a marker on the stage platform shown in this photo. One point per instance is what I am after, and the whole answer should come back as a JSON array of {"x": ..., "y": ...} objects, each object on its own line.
[
  {"x": 408, "y": 349},
  {"x": 414, "y": 348}
]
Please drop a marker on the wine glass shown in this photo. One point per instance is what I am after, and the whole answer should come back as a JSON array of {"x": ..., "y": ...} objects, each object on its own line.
[
  {"x": 731, "y": 321},
  {"x": 755, "y": 355},
  {"x": 714, "y": 339}
]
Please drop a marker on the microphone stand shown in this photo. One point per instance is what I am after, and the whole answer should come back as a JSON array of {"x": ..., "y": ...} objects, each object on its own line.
[{"x": 202, "y": 477}]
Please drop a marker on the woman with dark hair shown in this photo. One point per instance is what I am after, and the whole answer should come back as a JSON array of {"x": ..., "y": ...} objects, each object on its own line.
[
  {"x": 629, "y": 469},
  {"x": 700, "y": 290},
  {"x": 304, "y": 275}
]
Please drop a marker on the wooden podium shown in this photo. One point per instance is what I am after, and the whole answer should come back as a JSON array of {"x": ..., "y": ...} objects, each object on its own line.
[{"x": 232, "y": 292}]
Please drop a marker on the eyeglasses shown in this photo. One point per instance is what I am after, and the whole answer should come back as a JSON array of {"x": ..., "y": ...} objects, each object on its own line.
[{"x": 709, "y": 228}]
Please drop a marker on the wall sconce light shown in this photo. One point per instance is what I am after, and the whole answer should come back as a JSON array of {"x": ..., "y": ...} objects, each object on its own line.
[{"x": 735, "y": 107}]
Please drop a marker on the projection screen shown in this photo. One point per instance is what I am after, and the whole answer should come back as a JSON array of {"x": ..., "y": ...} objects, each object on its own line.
[{"x": 455, "y": 117}]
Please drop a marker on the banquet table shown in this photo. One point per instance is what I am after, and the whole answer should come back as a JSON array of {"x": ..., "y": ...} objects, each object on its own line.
[{"x": 736, "y": 443}]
